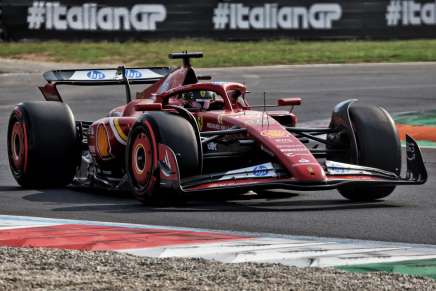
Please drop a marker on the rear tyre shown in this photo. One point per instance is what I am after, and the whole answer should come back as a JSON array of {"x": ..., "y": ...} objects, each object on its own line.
[
  {"x": 142, "y": 153},
  {"x": 378, "y": 146},
  {"x": 42, "y": 144}
]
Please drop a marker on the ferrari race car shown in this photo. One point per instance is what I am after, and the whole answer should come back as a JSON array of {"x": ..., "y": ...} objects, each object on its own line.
[{"x": 185, "y": 133}]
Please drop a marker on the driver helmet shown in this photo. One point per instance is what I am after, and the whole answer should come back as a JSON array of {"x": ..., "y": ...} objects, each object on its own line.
[{"x": 202, "y": 99}]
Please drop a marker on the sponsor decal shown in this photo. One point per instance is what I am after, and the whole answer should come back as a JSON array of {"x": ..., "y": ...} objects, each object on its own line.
[
  {"x": 212, "y": 146},
  {"x": 216, "y": 126},
  {"x": 301, "y": 160},
  {"x": 271, "y": 16},
  {"x": 410, "y": 13},
  {"x": 284, "y": 140},
  {"x": 237, "y": 116},
  {"x": 274, "y": 133},
  {"x": 410, "y": 151},
  {"x": 92, "y": 17},
  {"x": 255, "y": 121},
  {"x": 108, "y": 74},
  {"x": 340, "y": 171},
  {"x": 246, "y": 114},
  {"x": 290, "y": 150},
  {"x": 133, "y": 74},
  {"x": 260, "y": 171},
  {"x": 95, "y": 75}
]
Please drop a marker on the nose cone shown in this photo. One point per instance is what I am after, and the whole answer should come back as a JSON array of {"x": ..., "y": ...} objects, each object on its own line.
[
  {"x": 293, "y": 155},
  {"x": 310, "y": 172}
]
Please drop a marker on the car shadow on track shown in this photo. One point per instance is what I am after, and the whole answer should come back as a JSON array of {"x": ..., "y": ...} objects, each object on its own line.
[
  {"x": 10, "y": 189},
  {"x": 77, "y": 196},
  {"x": 229, "y": 207},
  {"x": 102, "y": 201}
]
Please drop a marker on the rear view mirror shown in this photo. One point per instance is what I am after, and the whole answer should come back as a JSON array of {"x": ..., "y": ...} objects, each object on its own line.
[
  {"x": 148, "y": 107},
  {"x": 293, "y": 101}
]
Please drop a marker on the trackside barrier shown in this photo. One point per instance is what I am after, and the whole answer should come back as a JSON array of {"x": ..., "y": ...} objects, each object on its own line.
[
  {"x": 220, "y": 19},
  {"x": 2, "y": 30}
]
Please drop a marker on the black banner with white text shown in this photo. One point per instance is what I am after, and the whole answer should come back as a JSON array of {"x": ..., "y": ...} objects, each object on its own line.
[{"x": 232, "y": 20}]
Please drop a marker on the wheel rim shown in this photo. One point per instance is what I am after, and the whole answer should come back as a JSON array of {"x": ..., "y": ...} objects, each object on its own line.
[
  {"x": 141, "y": 160},
  {"x": 18, "y": 146}
]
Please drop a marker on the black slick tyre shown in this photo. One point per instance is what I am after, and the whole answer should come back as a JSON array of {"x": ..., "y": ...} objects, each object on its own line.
[
  {"x": 43, "y": 150},
  {"x": 378, "y": 146},
  {"x": 142, "y": 165}
]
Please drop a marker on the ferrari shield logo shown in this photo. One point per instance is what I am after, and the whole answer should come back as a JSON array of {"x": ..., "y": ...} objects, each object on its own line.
[
  {"x": 199, "y": 122},
  {"x": 310, "y": 170}
]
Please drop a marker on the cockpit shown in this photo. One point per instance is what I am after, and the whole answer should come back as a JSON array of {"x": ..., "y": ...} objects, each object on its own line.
[
  {"x": 198, "y": 100},
  {"x": 206, "y": 97}
]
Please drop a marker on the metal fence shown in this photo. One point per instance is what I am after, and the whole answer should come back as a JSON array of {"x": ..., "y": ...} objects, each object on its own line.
[{"x": 230, "y": 20}]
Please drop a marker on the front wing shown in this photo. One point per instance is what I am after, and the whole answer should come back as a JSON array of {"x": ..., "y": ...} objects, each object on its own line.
[{"x": 273, "y": 176}]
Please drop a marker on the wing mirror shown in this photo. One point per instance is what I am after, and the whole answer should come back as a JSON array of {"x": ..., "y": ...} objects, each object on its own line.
[
  {"x": 148, "y": 107},
  {"x": 293, "y": 101}
]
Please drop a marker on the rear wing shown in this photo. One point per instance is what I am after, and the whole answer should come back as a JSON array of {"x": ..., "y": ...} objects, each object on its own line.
[
  {"x": 100, "y": 77},
  {"x": 95, "y": 77}
]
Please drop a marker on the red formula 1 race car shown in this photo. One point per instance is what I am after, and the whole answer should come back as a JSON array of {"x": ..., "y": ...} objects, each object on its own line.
[{"x": 185, "y": 133}]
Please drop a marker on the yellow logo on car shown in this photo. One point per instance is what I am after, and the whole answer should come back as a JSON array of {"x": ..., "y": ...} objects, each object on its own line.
[{"x": 200, "y": 122}]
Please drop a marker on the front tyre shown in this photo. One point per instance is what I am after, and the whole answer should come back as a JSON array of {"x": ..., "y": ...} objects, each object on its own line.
[
  {"x": 378, "y": 146},
  {"x": 142, "y": 164}
]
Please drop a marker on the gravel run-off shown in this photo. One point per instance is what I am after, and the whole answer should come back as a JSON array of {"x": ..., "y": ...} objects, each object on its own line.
[{"x": 49, "y": 269}]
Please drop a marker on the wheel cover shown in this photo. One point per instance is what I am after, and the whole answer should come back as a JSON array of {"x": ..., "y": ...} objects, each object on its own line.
[
  {"x": 142, "y": 160},
  {"x": 18, "y": 149}
]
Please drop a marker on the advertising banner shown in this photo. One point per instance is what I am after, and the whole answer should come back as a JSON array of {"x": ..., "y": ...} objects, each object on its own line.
[{"x": 233, "y": 20}]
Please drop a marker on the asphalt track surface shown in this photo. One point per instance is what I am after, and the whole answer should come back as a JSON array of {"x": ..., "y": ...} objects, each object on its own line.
[{"x": 408, "y": 215}]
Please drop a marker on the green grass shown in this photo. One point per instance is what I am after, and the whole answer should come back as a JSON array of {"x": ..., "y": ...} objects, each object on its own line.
[
  {"x": 423, "y": 268},
  {"x": 222, "y": 53}
]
